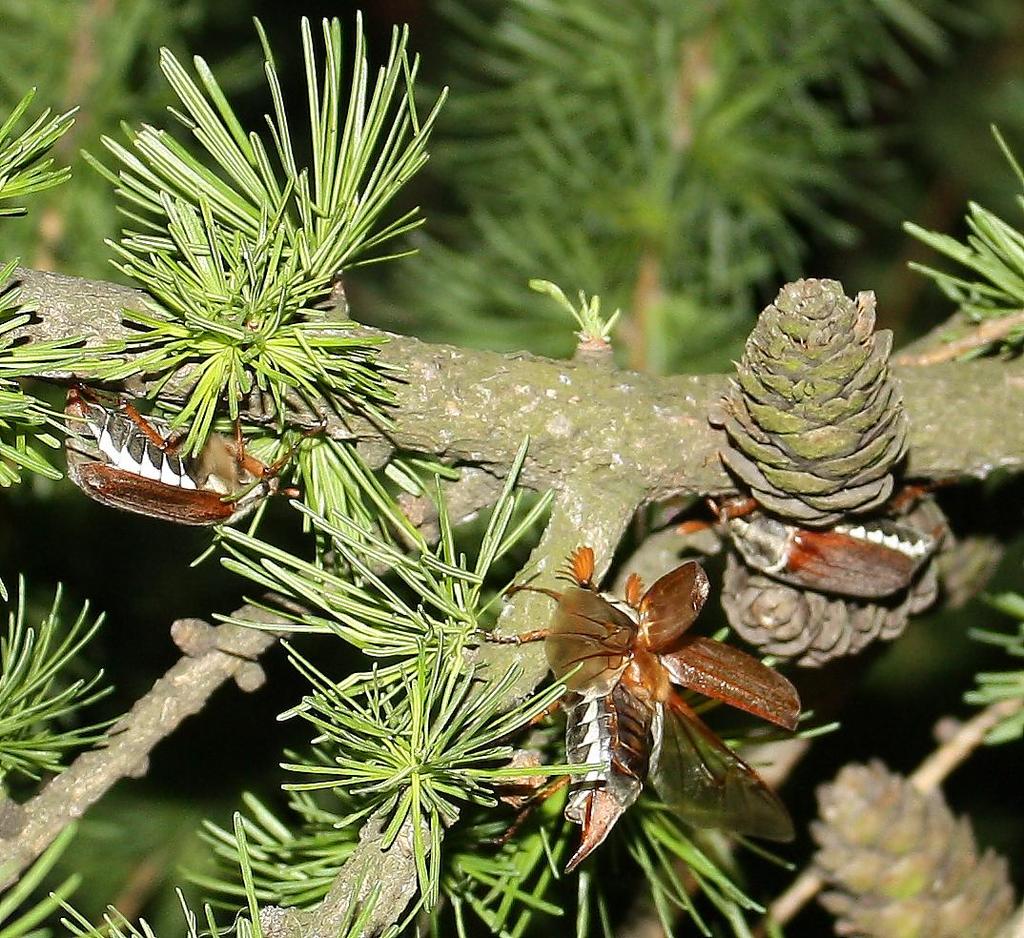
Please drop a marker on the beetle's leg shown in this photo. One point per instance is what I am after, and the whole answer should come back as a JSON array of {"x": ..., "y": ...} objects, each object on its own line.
[
  {"x": 260, "y": 470},
  {"x": 904, "y": 499},
  {"x": 693, "y": 526},
  {"x": 731, "y": 508},
  {"x": 246, "y": 461},
  {"x": 550, "y": 709},
  {"x": 278, "y": 464},
  {"x": 554, "y": 594},
  {"x": 726, "y": 510},
  {"x": 522, "y": 638},
  {"x": 552, "y": 788},
  {"x": 534, "y": 635},
  {"x": 81, "y": 390},
  {"x": 166, "y": 444}
]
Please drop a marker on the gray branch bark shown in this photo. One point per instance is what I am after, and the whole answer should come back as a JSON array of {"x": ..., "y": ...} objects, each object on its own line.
[
  {"x": 211, "y": 657},
  {"x": 967, "y": 418}
]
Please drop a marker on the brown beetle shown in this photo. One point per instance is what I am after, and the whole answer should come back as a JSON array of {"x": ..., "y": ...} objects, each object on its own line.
[
  {"x": 126, "y": 462},
  {"x": 865, "y": 559},
  {"x": 621, "y": 662}
]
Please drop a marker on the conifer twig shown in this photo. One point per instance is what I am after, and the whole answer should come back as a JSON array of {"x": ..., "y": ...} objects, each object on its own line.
[
  {"x": 992, "y": 330},
  {"x": 211, "y": 657},
  {"x": 932, "y": 772},
  {"x": 388, "y": 873},
  {"x": 928, "y": 776},
  {"x": 584, "y": 509}
]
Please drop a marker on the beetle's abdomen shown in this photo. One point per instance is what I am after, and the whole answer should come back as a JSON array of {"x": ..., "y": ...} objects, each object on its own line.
[
  {"x": 588, "y": 736},
  {"x": 616, "y": 731},
  {"x": 632, "y": 741},
  {"x": 125, "y": 446}
]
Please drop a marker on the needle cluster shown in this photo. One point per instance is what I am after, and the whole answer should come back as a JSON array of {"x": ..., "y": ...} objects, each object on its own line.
[
  {"x": 38, "y": 703},
  {"x": 995, "y": 686},
  {"x": 237, "y": 257},
  {"x": 422, "y": 735},
  {"x": 990, "y": 284},
  {"x": 28, "y": 427}
]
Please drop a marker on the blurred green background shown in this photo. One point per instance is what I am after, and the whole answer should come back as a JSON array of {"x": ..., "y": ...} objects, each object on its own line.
[{"x": 681, "y": 159}]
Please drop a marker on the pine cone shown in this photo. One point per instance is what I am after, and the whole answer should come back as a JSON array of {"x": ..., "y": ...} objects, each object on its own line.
[
  {"x": 902, "y": 864},
  {"x": 814, "y": 418},
  {"x": 811, "y": 627}
]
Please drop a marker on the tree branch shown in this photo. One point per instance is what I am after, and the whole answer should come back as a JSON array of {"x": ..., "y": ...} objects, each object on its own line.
[
  {"x": 967, "y": 418},
  {"x": 978, "y": 336},
  {"x": 385, "y": 878},
  {"x": 211, "y": 657}
]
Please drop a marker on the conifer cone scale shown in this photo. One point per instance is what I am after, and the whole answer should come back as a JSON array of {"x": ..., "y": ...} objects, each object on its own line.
[
  {"x": 812, "y": 628},
  {"x": 815, "y": 419}
]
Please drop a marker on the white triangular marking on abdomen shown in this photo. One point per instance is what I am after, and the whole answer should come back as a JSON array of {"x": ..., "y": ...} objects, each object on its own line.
[
  {"x": 124, "y": 460},
  {"x": 593, "y": 735},
  {"x": 167, "y": 475},
  {"x": 146, "y": 468},
  {"x": 106, "y": 445}
]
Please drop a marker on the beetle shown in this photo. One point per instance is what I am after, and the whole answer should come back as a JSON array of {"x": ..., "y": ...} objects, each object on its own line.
[
  {"x": 124, "y": 461},
  {"x": 864, "y": 559},
  {"x": 621, "y": 662}
]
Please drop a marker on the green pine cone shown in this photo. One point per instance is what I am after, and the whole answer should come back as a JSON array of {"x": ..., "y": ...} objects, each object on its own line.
[
  {"x": 902, "y": 866},
  {"x": 814, "y": 418}
]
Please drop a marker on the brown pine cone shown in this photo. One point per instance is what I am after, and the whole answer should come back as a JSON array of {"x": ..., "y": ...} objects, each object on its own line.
[{"x": 809, "y": 627}]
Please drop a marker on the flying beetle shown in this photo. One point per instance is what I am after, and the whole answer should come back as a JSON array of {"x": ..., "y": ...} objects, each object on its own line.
[{"x": 621, "y": 662}]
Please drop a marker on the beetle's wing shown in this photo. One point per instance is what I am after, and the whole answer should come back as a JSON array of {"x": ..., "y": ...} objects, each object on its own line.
[
  {"x": 708, "y": 785},
  {"x": 717, "y": 670},
  {"x": 673, "y": 603},
  {"x": 589, "y": 632}
]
